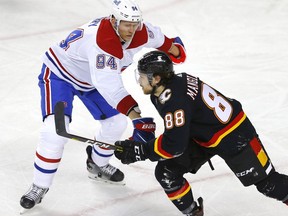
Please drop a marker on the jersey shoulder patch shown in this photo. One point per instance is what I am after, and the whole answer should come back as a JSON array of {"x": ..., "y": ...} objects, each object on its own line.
[{"x": 108, "y": 40}]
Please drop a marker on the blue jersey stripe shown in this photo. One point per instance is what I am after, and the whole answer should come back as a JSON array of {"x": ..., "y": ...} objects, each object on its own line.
[{"x": 63, "y": 74}]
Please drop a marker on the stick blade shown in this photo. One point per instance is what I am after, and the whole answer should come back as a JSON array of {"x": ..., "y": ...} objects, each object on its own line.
[{"x": 60, "y": 118}]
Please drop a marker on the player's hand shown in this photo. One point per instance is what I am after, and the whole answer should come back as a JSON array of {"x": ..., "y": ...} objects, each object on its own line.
[
  {"x": 182, "y": 56},
  {"x": 132, "y": 151},
  {"x": 144, "y": 129}
]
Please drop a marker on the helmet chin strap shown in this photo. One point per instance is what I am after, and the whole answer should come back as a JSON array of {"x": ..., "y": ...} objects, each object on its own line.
[
  {"x": 115, "y": 27},
  {"x": 121, "y": 39},
  {"x": 155, "y": 87},
  {"x": 149, "y": 76}
]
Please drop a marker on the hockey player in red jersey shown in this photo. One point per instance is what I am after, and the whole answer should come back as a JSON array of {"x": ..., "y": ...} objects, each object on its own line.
[
  {"x": 88, "y": 64},
  {"x": 199, "y": 122}
]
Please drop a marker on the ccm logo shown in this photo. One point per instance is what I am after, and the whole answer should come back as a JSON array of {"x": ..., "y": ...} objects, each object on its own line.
[{"x": 244, "y": 173}]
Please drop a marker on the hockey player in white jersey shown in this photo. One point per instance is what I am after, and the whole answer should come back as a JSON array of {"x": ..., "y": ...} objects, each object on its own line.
[{"x": 88, "y": 64}]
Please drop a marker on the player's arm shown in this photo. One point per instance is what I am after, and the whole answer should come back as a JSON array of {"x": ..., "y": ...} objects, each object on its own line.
[
  {"x": 107, "y": 79},
  {"x": 177, "y": 51},
  {"x": 133, "y": 114},
  {"x": 168, "y": 145},
  {"x": 174, "y": 47}
]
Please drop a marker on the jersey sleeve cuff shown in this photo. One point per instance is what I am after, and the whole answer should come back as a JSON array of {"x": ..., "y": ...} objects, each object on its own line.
[
  {"x": 126, "y": 105},
  {"x": 166, "y": 45}
]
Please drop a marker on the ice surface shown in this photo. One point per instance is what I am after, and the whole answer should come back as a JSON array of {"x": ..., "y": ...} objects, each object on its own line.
[{"x": 239, "y": 47}]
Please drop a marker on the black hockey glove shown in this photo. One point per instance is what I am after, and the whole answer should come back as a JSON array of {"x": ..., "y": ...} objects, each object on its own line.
[
  {"x": 198, "y": 208},
  {"x": 132, "y": 151}
]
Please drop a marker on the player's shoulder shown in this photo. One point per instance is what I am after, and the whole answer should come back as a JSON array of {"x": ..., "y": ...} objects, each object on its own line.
[
  {"x": 180, "y": 79},
  {"x": 187, "y": 78},
  {"x": 182, "y": 83},
  {"x": 108, "y": 40},
  {"x": 173, "y": 91}
]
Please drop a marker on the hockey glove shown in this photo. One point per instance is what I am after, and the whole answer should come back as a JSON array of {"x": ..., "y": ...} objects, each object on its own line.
[
  {"x": 132, "y": 151},
  {"x": 182, "y": 56},
  {"x": 144, "y": 129},
  {"x": 198, "y": 208}
]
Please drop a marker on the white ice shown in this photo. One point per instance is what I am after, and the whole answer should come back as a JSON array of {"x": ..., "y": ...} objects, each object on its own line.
[{"x": 239, "y": 47}]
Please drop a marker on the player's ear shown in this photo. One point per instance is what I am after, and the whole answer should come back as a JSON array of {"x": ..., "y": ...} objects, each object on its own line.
[
  {"x": 157, "y": 79},
  {"x": 112, "y": 20}
]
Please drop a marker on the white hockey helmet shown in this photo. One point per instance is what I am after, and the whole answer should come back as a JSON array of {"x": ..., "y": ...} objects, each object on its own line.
[{"x": 126, "y": 10}]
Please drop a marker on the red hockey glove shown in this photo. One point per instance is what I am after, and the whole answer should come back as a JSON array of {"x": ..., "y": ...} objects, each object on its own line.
[
  {"x": 182, "y": 56},
  {"x": 144, "y": 129},
  {"x": 132, "y": 151}
]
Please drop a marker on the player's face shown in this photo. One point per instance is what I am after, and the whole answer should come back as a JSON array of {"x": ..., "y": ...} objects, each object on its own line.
[
  {"x": 127, "y": 29},
  {"x": 144, "y": 83}
]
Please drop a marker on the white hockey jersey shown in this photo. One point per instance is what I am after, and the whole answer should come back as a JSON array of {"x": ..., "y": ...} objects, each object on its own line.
[{"x": 92, "y": 56}]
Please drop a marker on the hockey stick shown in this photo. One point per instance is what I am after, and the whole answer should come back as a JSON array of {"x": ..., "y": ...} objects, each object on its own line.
[{"x": 61, "y": 129}]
